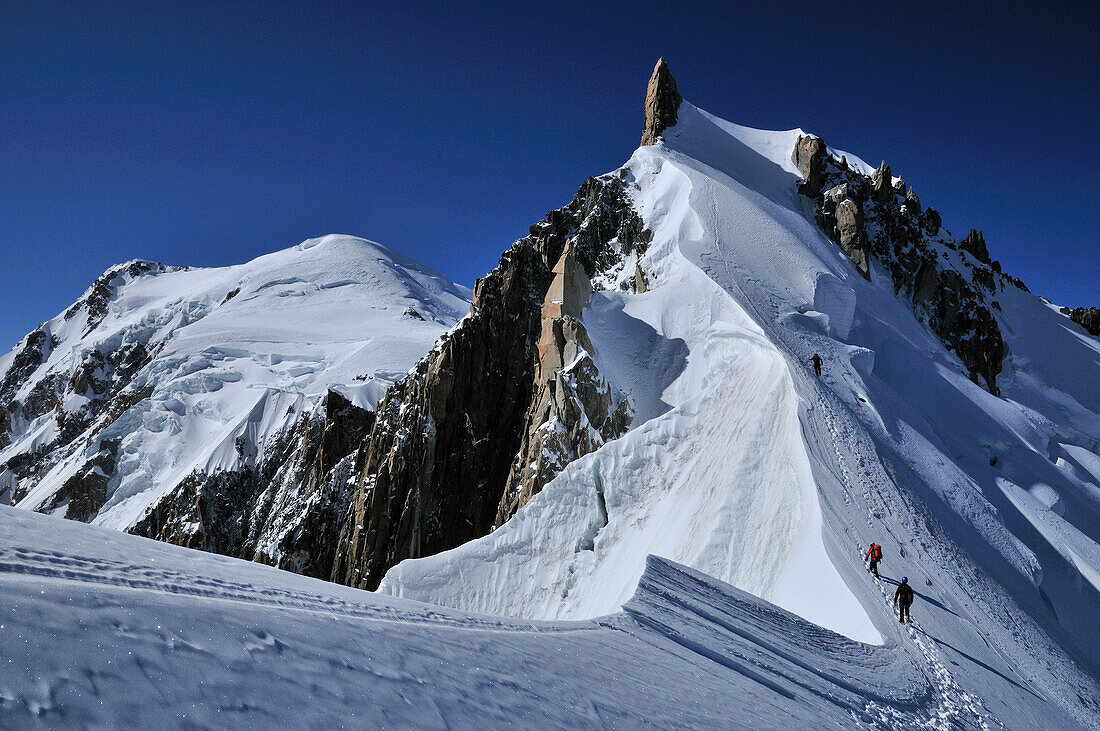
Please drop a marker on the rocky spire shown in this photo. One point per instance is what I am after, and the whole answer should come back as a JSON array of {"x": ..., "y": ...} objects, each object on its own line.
[
  {"x": 662, "y": 101},
  {"x": 573, "y": 410},
  {"x": 883, "y": 183},
  {"x": 912, "y": 202}
]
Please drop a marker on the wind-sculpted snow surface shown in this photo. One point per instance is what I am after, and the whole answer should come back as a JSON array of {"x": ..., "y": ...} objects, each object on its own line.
[
  {"x": 105, "y": 629},
  {"x": 753, "y": 470}
]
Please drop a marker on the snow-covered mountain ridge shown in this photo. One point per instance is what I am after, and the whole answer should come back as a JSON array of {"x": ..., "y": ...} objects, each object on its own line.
[
  {"x": 160, "y": 377},
  {"x": 635, "y": 379}
]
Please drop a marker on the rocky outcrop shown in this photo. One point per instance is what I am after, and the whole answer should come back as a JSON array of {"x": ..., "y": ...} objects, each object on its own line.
[
  {"x": 95, "y": 388},
  {"x": 932, "y": 222},
  {"x": 662, "y": 103},
  {"x": 286, "y": 510},
  {"x": 84, "y": 493},
  {"x": 94, "y": 302},
  {"x": 35, "y": 349},
  {"x": 912, "y": 204},
  {"x": 875, "y": 217},
  {"x": 438, "y": 461},
  {"x": 5, "y": 426},
  {"x": 640, "y": 283},
  {"x": 842, "y": 219},
  {"x": 1088, "y": 318},
  {"x": 809, "y": 157}
]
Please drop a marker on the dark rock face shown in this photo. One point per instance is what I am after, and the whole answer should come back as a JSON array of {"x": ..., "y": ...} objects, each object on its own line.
[
  {"x": 5, "y": 427},
  {"x": 912, "y": 204},
  {"x": 286, "y": 510},
  {"x": 809, "y": 157},
  {"x": 1088, "y": 318},
  {"x": 99, "y": 295},
  {"x": 104, "y": 380},
  {"x": 662, "y": 103},
  {"x": 933, "y": 222},
  {"x": 84, "y": 493},
  {"x": 438, "y": 460},
  {"x": 573, "y": 410},
  {"x": 875, "y": 217},
  {"x": 36, "y": 348}
]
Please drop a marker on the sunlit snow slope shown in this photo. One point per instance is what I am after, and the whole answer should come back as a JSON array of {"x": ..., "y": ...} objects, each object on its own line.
[
  {"x": 237, "y": 355},
  {"x": 755, "y": 472}
]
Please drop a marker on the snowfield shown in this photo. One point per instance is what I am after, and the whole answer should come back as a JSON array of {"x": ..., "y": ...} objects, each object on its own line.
[{"x": 101, "y": 628}]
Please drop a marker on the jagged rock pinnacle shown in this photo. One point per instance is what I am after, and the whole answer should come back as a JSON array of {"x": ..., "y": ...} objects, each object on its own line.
[
  {"x": 975, "y": 244},
  {"x": 883, "y": 183},
  {"x": 662, "y": 101}
]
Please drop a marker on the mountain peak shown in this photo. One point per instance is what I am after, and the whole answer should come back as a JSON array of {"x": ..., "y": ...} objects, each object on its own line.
[{"x": 662, "y": 101}]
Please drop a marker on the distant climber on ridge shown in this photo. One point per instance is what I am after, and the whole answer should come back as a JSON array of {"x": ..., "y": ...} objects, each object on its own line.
[
  {"x": 874, "y": 555},
  {"x": 817, "y": 364},
  {"x": 903, "y": 598}
]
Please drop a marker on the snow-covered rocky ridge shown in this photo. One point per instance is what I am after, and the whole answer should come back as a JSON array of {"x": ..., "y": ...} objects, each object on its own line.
[
  {"x": 742, "y": 464},
  {"x": 186, "y": 403}
]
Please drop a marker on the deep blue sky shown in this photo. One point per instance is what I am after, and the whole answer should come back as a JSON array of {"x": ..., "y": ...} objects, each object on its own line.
[{"x": 207, "y": 133}]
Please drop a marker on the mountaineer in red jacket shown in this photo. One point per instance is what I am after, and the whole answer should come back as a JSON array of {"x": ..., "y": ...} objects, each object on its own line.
[{"x": 874, "y": 555}]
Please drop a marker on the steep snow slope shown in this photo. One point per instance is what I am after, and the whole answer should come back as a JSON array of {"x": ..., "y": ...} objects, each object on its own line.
[
  {"x": 727, "y": 455},
  {"x": 760, "y": 474},
  {"x": 105, "y": 629},
  {"x": 229, "y": 359}
]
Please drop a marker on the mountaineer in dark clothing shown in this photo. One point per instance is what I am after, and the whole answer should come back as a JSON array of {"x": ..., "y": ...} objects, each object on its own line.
[
  {"x": 903, "y": 597},
  {"x": 817, "y": 364}
]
